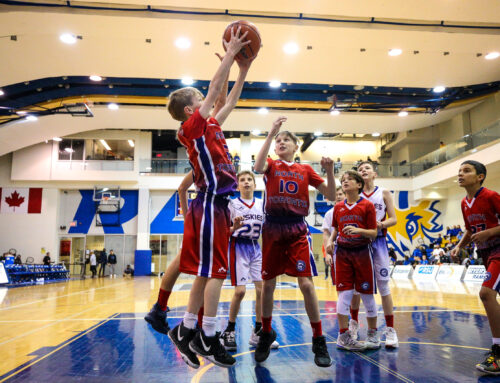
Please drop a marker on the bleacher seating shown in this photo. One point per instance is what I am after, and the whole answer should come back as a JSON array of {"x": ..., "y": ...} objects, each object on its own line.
[{"x": 21, "y": 275}]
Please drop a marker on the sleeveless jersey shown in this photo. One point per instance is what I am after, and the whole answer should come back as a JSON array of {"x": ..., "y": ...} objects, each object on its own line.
[
  {"x": 253, "y": 217},
  {"x": 376, "y": 197},
  {"x": 359, "y": 214}
]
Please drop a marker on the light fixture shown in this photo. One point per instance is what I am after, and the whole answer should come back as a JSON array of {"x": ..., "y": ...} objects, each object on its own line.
[
  {"x": 395, "y": 52},
  {"x": 492, "y": 55},
  {"x": 105, "y": 144},
  {"x": 95, "y": 77},
  {"x": 31, "y": 118},
  {"x": 439, "y": 89},
  {"x": 263, "y": 111},
  {"x": 187, "y": 81},
  {"x": 403, "y": 113},
  {"x": 131, "y": 143},
  {"x": 57, "y": 139},
  {"x": 68, "y": 38},
  {"x": 69, "y": 150},
  {"x": 318, "y": 133},
  {"x": 21, "y": 112},
  {"x": 274, "y": 84},
  {"x": 290, "y": 48},
  {"x": 375, "y": 134},
  {"x": 256, "y": 132},
  {"x": 183, "y": 43},
  {"x": 113, "y": 106},
  {"x": 1, "y": 92},
  {"x": 335, "y": 112}
]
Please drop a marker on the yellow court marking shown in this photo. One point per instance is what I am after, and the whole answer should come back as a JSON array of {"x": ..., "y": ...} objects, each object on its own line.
[{"x": 58, "y": 348}]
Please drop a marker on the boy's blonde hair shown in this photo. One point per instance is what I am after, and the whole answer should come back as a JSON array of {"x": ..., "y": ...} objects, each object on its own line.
[
  {"x": 245, "y": 172},
  {"x": 179, "y": 99},
  {"x": 292, "y": 136}
]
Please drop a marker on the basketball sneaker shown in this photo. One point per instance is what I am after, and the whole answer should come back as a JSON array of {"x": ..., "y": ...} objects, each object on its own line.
[
  {"x": 391, "y": 338},
  {"x": 181, "y": 336},
  {"x": 347, "y": 342},
  {"x": 354, "y": 328},
  {"x": 321, "y": 355},
  {"x": 491, "y": 364},
  {"x": 263, "y": 349},
  {"x": 211, "y": 349},
  {"x": 228, "y": 339},
  {"x": 254, "y": 340},
  {"x": 372, "y": 341},
  {"x": 157, "y": 318}
]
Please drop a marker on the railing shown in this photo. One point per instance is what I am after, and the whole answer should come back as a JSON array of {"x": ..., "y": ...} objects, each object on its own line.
[{"x": 95, "y": 165}]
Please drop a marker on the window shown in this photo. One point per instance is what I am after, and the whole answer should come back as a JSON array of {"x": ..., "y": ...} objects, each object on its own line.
[
  {"x": 96, "y": 149},
  {"x": 70, "y": 149}
]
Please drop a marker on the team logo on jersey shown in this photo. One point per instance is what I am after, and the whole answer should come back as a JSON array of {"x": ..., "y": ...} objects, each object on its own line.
[
  {"x": 365, "y": 286},
  {"x": 222, "y": 270},
  {"x": 238, "y": 207},
  {"x": 301, "y": 265},
  {"x": 384, "y": 272},
  {"x": 487, "y": 277}
]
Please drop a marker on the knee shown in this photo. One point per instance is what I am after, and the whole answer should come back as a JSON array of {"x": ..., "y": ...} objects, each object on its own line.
[
  {"x": 268, "y": 286},
  {"x": 306, "y": 285},
  {"x": 240, "y": 294},
  {"x": 383, "y": 288},
  {"x": 486, "y": 295}
]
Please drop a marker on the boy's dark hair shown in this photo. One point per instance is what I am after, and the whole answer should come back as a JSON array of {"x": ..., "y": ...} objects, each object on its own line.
[
  {"x": 478, "y": 166},
  {"x": 245, "y": 172},
  {"x": 354, "y": 174},
  {"x": 292, "y": 136},
  {"x": 179, "y": 99},
  {"x": 339, "y": 188},
  {"x": 369, "y": 163}
]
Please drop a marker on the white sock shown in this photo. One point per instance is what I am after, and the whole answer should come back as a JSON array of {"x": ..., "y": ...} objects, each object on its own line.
[
  {"x": 189, "y": 320},
  {"x": 496, "y": 340},
  {"x": 209, "y": 325}
]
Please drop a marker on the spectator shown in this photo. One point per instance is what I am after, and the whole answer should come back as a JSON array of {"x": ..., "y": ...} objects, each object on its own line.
[
  {"x": 46, "y": 259},
  {"x": 103, "y": 260},
  {"x": 417, "y": 253},
  {"x": 424, "y": 260},
  {"x": 236, "y": 162},
  {"x": 337, "y": 166},
  {"x": 448, "y": 231},
  {"x": 439, "y": 240},
  {"x": 393, "y": 256},
  {"x": 112, "y": 263},
  {"x": 93, "y": 264},
  {"x": 437, "y": 253},
  {"x": 407, "y": 261},
  {"x": 128, "y": 272},
  {"x": 18, "y": 260},
  {"x": 253, "y": 160}
]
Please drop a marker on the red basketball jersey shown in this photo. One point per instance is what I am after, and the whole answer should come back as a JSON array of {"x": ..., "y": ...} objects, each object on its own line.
[
  {"x": 208, "y": 154},
  {"x": 287, "y": 188},
  {"x": 360, "y": 214},
  {"x": 482, "y": 213}
]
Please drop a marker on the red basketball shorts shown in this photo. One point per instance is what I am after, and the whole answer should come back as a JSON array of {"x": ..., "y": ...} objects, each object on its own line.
[
  {"x": 354, "y": 269},
  {"x": 491, "y": 259},
  {"x": 206, "y": 237}
]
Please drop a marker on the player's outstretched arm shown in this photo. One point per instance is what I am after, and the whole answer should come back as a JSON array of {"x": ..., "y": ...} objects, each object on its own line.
[
  {"x": 331, "y": 241},
  {"x": 328, "y": 188},
  {"x": 235, "y": 94},
  {"x": 221, "y": 100},
  {"x": 182, "y": 190},
  {"x": 232, "y": 48},
  {"x": 260, "y": 165},
  {"x": 391, "y": 211}
]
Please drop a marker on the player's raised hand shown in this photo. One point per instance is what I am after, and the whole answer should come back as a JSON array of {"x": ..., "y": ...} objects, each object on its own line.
[
  {"x": 277, "y": 125},
  {"x": 327, "y": 163},
  {"x": 236, "y": 42}
]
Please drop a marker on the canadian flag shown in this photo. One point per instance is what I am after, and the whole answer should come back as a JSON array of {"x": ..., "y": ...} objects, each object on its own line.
[{"x": 21, "y": 200}]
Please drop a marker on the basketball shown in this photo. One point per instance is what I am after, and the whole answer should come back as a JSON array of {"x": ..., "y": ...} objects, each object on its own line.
[{"x": 249, "y": 51}]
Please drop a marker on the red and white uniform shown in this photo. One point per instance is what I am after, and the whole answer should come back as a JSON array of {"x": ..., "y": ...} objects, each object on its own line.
[
  {"x": 327, "y": 225},
  {"x": 353, "y": 261},
  {"x": 482, "y": 213},
  {"x": 205, "y": 242},
  {"x": 286, "y": 242}
]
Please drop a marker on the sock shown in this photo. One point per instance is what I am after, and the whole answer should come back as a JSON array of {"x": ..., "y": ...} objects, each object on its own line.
[
  {"x": 316, "y": 327},
  {"x": 373, "y": 328},
  {"x": 258, "y": 326},
  {"x": 209, "y": 325},
  {"x": 189, "y": 320},
  {"x": 266, "y": 324},
  {"x": 343, "y": 330},
  {"x": 230, "y": 326},
  {"x": 496, "y": 340},
  {"x": 389, "y": 320},
  {"x": 163, "y": 296},
  {"x": 200, "y": 317},
  {"x": 354, "y": 314}
]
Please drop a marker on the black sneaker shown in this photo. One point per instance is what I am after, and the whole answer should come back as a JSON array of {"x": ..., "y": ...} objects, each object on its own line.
[
  {"x": 157, "y": 318},
  {"x": 211, "y": 349},
  {"x": 491, "y": 364},
  {"x": 181, "y": 336},
  {"x": 263, "y": 348},
  {"x": 321, "y": 355},
  {"x": 228, "y": 339}
]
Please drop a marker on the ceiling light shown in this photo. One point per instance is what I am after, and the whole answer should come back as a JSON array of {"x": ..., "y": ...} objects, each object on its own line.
[
  {"x": 69, "y": 150},
  {"x": 256, "y": 132},
  {"x": 113, "y": 106},
  {"x": 31, "y": 118},
  {"x": 95, "y": 77},
  {"x": 274, "y": 84},
  {"x": 58, "y": 139},
  {"x": 335, "y": 112},
  {"x": 131, "y": 143},
  {"x": 1, "y": 92},
  {"x": 21, "y": 112},
  {"x": 403, "y": 113},
  {"x": 375, "y": 134},
  {"x": 439, "y": 89},
  {"x": 395, "y": 52},
  {"x": 105, "y": 144},
  {"x": 263, "y": 111},
  {"x": 492, "y": 55},
  {"x": 183, "y": 43},
  {"x": 318, "y": 133},
  {"x": 68, "y": 38},
  {"x": 290, "y": 48},
  {"x": 187, "y": 81}
]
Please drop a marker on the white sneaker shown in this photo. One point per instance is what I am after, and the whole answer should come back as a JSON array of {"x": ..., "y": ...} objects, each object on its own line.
[
  {"x": 372, "y": 339},
  {"x": 347, "y": 342},
  {"x": 354, "y": 328},
  {"x": 391, "y": 338},
  {"x": 254, "y": 340}
]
